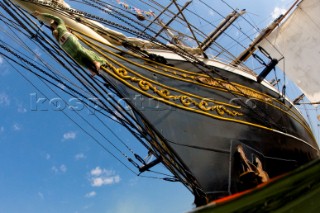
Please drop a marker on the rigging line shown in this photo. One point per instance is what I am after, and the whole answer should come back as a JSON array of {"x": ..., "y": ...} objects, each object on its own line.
[
  {"x": 109, "y": 6},
  {"x": 160, "y": 10},
  {"x": 90, "y": 135},
  {"x": 201, "y": 148},
  {"x": 160, "y": 173},
  {"x": 308, "y": 116},
  {"x": 159, "y": 178},
  {"x": 182, "y": 52},
  {"x": 105, "y": 125},
  {"x": 258, "y": 30},
  {"x": 113, "y": 24},
  {"x": 29, "y": 57},
  {"x": 276, "y": 77},
  {"x": 117, "y": 17},
  {"x": 60, "y": 82},
  {"x": 64, "y": 65},
  {"x": 12, "y": 24},
  {"x": 179, "y": 19},
  {"x": 114, "y": 146},
  {"x": 128, "y": 122},
  {"x": 137, "y": 33},
  {"x": 162, "y": 151},
  {"x": 39, "y": 76},
  {"x": 114, "y": 134},
  {"x": 232, "y": 24},
  {"x": 55, "y": 47},
  {"x": 225, "y": 33},
  {"x": 26, "y": 47},
  {"x": 16, "y": 9},
  {"x": 174, "y": 50},
  {"x": 243, "y": 40},
  {"x": 125, "y": 28},
  {"x": 174, "y": 173},
  {"x": 27, "y": 62},
  {"x": 134, "y": 125},
  {"x": 188, "y": 24},
  {"x": 203, "y": 35}
]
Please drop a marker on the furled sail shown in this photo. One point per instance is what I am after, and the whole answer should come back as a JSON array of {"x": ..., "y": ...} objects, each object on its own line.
[{"x": 297, "y": 39}]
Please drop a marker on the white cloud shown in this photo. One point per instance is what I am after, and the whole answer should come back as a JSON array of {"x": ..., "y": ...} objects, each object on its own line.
[
  {"x": 55, "y": 169},
  {"x": 41, "y": 195},
  {"x": 91, "y": 194},
  {"x": 1, "y": 129},
  {"x": 16, "y": 127},
  {"x": 4, "y": 70},
  {"x": 100, "y": 181},
  {"x": 69, "y": 135},
  {"x": 22, "y": 109},
  {"x": 100, "y": 177},
  {"x": 80, "y": 156},
  {"x": 48, "y": 156},
  {"x": 96, "y": 172},
  {"x": 4, "y": 99},
  {"x": 277, "y": 12},
  {"x": 61, "y": 169}
]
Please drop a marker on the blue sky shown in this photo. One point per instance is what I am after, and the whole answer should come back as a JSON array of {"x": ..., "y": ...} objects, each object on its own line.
[{"x": 48, "y": 164}]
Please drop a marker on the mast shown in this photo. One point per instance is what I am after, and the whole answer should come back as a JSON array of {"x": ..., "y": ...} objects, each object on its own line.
[
  {"x": 214, "y": 35},
  {"x": 252, "y": 47}
]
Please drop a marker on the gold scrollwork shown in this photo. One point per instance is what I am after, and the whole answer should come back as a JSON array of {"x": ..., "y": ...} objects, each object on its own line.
[
  {"x": 217, "y": 83},
  {"x": 238, "y": 89},
  {"x": 185, "y": 100}
]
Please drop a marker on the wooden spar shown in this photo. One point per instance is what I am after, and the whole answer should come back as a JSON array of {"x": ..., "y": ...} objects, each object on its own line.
[
  {"x": 172, "y": 19},
  {"x": 214, "y": 35},
  {"x": 180, "y": 11},
  {"x": 252, "y": 47}
]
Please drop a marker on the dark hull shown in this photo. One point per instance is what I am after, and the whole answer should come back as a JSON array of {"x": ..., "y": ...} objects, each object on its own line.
[{"x": 203, "y": 136}]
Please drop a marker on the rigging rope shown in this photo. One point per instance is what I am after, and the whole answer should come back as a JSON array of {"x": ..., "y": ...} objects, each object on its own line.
[
  {"x": 25, "y": 61},
  {"x": 60, "y": 88}
]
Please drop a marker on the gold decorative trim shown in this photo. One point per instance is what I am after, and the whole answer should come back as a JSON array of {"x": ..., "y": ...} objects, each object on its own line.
[
  {"x": 239, "y": 89},
  {"x": 186, "y": 101},
  {"x": 116, "y": 76}
]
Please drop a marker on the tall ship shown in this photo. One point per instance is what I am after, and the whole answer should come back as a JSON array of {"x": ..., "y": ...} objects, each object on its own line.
[{"x": 189, "y": 95}]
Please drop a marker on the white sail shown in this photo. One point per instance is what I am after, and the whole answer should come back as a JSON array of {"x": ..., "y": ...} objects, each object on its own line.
[{"x": 298, "y": 40}]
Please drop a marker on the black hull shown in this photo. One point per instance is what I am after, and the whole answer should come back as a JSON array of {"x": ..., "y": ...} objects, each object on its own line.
[{"x": 205, "y": 141}]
